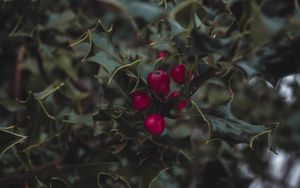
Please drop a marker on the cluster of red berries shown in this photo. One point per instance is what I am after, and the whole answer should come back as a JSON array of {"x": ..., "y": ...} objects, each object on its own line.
[{"x": 159, "y": 83}]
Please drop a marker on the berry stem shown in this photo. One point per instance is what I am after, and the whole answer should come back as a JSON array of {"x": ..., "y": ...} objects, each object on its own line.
[{"x": 188, "y": 90}]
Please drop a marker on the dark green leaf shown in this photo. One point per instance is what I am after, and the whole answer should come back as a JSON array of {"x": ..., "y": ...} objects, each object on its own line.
[
  {"x": 147, "y": 12},
  {"x": 9, "y": 139},
  {"x": 224, "y": 125}
]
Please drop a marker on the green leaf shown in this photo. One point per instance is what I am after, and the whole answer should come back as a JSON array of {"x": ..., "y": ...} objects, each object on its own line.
[
  {"x": 133, "y": 67},
  {"x": 36, "y": 118},
  {"x": 263, "y": 29},
  {"x": 146, "y": 11},
  {"x": 270, "y": 64},
  {"x": 211, "y": 94},
  {"x": 179, "y": 128},
  {"x": 64, "y": 62},
  {"x": 60, "y": 21},
  {"x": 105, "y": 61},
  {"x": 8, "y": 139},
  {"x": 117, "y": 180},
  {"x": 251, "y": 66},
  {"x": 176, "y": 27},
  {"x": 57, "y": 182},
  {"x": 75, "y": 118},
  {"x": 157, "y": 176},
  {"x": 83, "y": 46},
  {"x": 224, "y": 125},
  {"x": 71, "y": 91},
  {"x": 184, "y": 12},
  {"x": 105, "y": 53},
  {"x": 10, "y": 105},
  {"x": 103, "y": 43},
  {"x": 150, "y": 171},
  {"x": 48, "y": 91}
]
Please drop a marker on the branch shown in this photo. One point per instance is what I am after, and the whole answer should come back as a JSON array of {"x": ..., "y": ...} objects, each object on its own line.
[
  {"x": 18, "y": 73},
  {"x": 189, "y": 90},
  {"x": 21, "y": 178},
  {"x": 41, "y": 67}
]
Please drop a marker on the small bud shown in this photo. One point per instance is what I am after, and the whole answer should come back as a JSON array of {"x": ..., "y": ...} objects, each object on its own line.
[{"x": 161, "y": 54}]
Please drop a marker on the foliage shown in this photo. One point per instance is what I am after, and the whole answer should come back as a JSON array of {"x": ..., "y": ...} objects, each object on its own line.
[{"x": 68, "y": 69}]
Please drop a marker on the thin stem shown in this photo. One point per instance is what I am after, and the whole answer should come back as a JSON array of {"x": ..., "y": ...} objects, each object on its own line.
[
  {"x": 21, "y": 178},
  {"x": 188, "y": 90},
  {"x": 18, "y": 73},
  {"x": 41, "y": 67}
]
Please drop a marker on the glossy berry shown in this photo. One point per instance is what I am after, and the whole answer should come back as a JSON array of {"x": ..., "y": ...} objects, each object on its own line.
[
  {"x": 181, "y": 105},
  {"x": 178, "y": 73},
  {"x": 159, "y": 81},
  {"x": 161, "y": 54},
  {"x": 140, "y": 100},
  {"x": 154, "y": 124}
]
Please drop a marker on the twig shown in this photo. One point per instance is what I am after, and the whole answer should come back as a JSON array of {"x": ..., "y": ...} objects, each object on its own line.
[
  {"x": 189, "y": 89},
  {"x": 18, "y": 73},
  {"x": 21, "y": 178},
  {"x": 40, "y": 64},
  {"x": 197, "y": 82}
]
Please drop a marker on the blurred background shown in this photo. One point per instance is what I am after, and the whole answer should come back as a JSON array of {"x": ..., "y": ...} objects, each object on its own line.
[{"x": 63, "y": 125}]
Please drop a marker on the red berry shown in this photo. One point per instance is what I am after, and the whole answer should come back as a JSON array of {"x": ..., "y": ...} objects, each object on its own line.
[
  {"x": 140, "y": 100},
  {"x": 161, "y": 54},
  {"x": 154, "y": 124},
  {"x": 159, "y": 81},
  {"x": 180, "y": 105},
  {"x": 178, "y": 73}
]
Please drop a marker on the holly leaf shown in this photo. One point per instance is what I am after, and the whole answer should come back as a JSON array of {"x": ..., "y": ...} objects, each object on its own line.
[
  {"x": 106, "y": 179},
  {"x": 145, "y": 11},
  {"x": 275, "y": 54},
  {"x": 270, "y": 61},
  {"x": 37, "y": 115},
  {"x": 98, "y": 48},
  {"x": 8, "y": 139},
  {"x": 224, "y": 125},
  {"x": 138, "y": 10},
  {"x": 60, "y": 21},
  {"x": 263, "y": 29},
  {"x": 133, "y": 68},
  {"x": 186, "y": 12},
  {"x": 57, "y": 182},
  {"x": 103, "y": 44},
  {"x": 47, "y": 91}
]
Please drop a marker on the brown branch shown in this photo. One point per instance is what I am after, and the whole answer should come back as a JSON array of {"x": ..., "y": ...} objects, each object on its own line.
[
  {"x": 18, "y": 73},
  {"x": 41, "y": 67},
  {"x": 197, "y": 82},
  {"x": 21, "y": 178},
  {"x": 189, "y": 90}
]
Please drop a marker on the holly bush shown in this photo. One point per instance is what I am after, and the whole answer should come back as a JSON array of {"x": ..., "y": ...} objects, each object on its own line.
[{"x": 149, "y": 93}]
